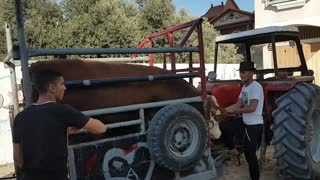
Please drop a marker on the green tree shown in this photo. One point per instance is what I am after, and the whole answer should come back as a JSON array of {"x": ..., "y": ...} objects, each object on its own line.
[
  {"x": 73, "y": 8},
  {"x": 156, "y": 15},
  {"x": 105, "y": 23},
  {"x": 3, "y": 47},
  {"x": 228, "y": 54},
  {"x": 42, "y": 25},
  {"x": 6, "y": 15}
]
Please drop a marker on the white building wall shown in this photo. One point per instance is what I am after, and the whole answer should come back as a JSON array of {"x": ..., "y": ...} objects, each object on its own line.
[
  {"x": 5, "y": 129},
  {"x": 224, "y": 71},
  {"x": 302, "y": 12}
]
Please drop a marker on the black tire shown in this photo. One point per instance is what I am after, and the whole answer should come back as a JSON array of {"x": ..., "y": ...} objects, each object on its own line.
[
  {"x": 298, "y": 115},
  {"x": 177, "y": 137}
]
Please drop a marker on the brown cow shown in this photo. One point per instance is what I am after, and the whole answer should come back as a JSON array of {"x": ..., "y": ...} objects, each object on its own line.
[{"x": 89, "y": 98}]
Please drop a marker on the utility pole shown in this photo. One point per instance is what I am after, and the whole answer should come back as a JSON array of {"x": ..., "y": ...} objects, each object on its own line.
[{"x": 27, "y": 87}]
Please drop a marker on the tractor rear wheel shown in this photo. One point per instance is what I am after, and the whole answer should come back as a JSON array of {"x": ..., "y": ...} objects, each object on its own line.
[{"x": 296, "y": 131}]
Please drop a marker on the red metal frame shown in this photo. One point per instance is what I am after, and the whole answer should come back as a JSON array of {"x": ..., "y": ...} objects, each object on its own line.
[
  {"x": 175, "y": 28},
  {"x": 142, "y": 45},
  {"x": 164, "y": 55},
  {"x": 192, "y": 25},
  {"x": 187, "y": 36},
  {"x": 172, "y": 55}
]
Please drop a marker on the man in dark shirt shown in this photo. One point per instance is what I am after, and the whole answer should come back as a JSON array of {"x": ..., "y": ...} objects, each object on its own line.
[{"x": 40, "y": 131}]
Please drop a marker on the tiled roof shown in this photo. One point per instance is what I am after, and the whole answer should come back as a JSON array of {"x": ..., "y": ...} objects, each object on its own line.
[{"x": 214, "y": 11}]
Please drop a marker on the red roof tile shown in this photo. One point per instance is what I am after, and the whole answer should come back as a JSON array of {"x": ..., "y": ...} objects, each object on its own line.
[{"x": 214, "y": 11}]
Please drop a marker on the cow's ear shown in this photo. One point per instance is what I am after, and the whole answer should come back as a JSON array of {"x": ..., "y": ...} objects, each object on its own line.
[{"x": 51, "y": 88}]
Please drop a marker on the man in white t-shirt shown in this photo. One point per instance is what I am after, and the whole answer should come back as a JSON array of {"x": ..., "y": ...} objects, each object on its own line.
[{"x": 250, "y": 105}]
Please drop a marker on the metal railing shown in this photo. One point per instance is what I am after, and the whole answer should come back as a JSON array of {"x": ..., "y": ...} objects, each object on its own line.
[{"x": 135, "y": 107}]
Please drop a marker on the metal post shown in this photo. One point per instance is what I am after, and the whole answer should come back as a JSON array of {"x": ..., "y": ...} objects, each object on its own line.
[
  {"x": 164, "y": 61},
  {"x": 187, "y": 36},
  {"x": 202, "y": 73},
  {"x": 150, "y": 55},
  {"x": 248, "y": 53},
  {"x": 215, "y": 58},
  {"x": 143, "y": 123},
  {"x": 304, "y": 68},
  {"x": 274, "y": 54},
  {"x": 13, "y": 111},
  {"x": 190, "y": 66},
  {"x": 23, "y": 54},
  {"x": 172, "y": 55},
  {"x": 13, "y": 77}
]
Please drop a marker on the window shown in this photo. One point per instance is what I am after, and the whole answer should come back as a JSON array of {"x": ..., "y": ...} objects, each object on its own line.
[
  {"x": 287, "y": 56},
  {"x": 277, "y": 1},
  {"x": 285, "y": 4}
]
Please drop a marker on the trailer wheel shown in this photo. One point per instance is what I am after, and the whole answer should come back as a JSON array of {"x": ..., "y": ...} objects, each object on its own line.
[
  {"x": 177, "y": 137},
  {"x": 296, "y": 130}
]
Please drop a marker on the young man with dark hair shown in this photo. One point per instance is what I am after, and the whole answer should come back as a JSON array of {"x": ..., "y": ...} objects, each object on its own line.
[
  {"x": 250, "y": 105},
  {"x": 40, "y": 131}
]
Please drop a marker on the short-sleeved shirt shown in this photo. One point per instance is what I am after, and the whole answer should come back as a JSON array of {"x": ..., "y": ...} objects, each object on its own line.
[
  {"x": 41, "y": 132},
  {"x": 248, "y": 93}
]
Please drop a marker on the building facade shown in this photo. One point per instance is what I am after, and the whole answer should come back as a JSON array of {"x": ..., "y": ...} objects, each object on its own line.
[
  {"x": 229, "y": 18},
  {"x": 303, "y": 14}
]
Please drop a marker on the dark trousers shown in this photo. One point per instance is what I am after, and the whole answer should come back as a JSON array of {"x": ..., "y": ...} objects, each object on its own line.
[
  {"x": 40, "y": 175},
  {"x": 36, "y": 177},
  {"x": 232, "y": 132},
  {"x": 252, "y": 140}
]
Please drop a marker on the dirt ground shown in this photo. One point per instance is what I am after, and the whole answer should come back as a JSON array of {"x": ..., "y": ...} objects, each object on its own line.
[
  {"x": 6, "y": 170},
  {"x": 231, "y": 169}
]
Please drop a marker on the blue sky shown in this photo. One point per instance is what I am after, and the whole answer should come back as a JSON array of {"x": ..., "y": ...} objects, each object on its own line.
[{"x": 200, "y": 7}]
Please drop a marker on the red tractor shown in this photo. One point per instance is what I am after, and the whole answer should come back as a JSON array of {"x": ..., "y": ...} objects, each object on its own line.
[{"x": 292, "y": 102}]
